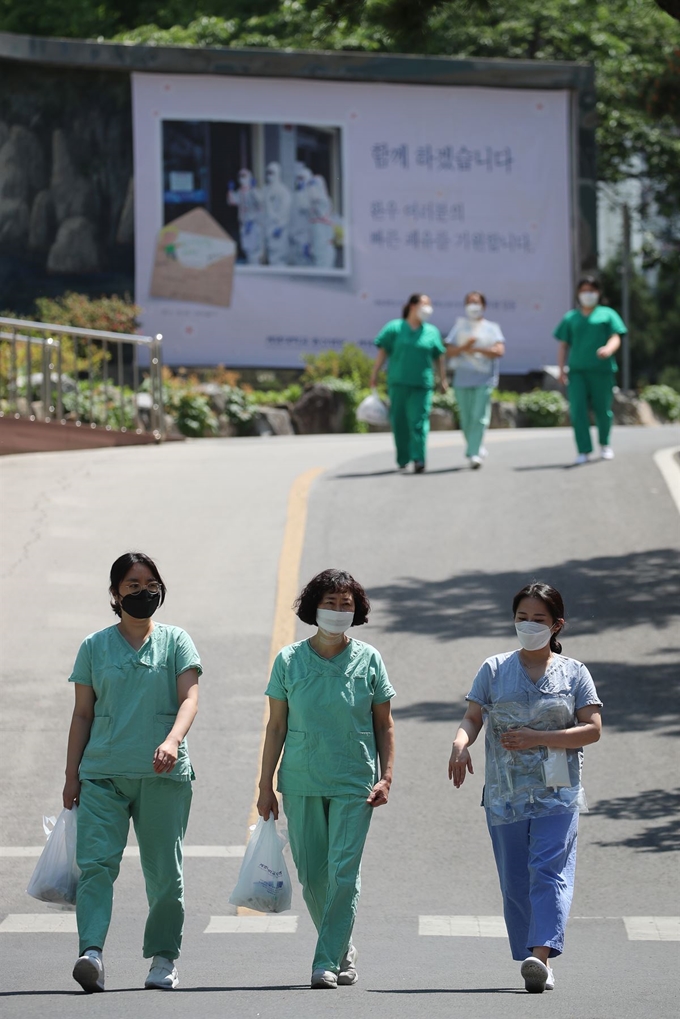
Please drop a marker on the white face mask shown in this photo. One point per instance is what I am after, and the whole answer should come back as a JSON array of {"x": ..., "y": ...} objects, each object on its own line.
[
  {"x": 589, "y": 298},
  {"x": 474, "y": 310},
  {"x": 533, "y": 636},
  {"x": 424, "y": 311},
  {"x": 332, "y": 621}
]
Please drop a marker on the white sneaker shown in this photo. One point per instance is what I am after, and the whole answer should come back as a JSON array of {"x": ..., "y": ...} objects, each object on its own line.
[
  {"x": 483, "y": 452},
  {"x": 535, "y": 974},
  {"x": 163, "y": 975},
  {"x": 607, "y": 453},
  {"x": 348, "y": 967},
  {"x": 475, "y": 462},
  {"x": 89, "y": 971},
  {"x": 582, "y": 458},
  {"x": 550, "y": 981},
  {"x": 324, "y": 978}
]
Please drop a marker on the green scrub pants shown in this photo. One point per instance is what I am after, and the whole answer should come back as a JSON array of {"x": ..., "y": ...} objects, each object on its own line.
[
  {"x": 410, "y": 418},
  {"x": 159, "y": 808},
  {"x": 327, "y": 836},
  {"x": 474, "y": 412},
  {"x": 588, "y": 389}
]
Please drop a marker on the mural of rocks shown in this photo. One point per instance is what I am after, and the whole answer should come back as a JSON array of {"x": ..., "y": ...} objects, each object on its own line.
[{"x": 66, "y": 189}]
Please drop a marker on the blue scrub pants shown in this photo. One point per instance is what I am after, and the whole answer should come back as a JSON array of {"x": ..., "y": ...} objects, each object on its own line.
[
  {"x": 327, "y": 837},
  {"x": 536, "y": 862}
]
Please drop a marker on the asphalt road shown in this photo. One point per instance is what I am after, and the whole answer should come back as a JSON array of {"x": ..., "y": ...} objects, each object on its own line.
[{"x": 441, "y": 555}]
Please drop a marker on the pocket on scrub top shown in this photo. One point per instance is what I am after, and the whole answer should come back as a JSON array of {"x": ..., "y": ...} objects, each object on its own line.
[
  {"x": 99, "y": 743},
  {"x": 295, "y": 753}
]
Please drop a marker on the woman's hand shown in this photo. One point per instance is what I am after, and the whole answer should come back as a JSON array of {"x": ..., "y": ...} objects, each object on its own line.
[
  {"x": 71, "y": 793},
  {"x": 380, "y": 793},
  {"x": 460, "y": 763},
  {"x": 165, "y": 756},
  {"x": 521, "y": 739},
  {"x": 267, "y": 804}
]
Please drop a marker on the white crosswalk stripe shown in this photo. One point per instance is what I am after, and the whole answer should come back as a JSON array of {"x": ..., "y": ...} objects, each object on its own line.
[
  {"x": 638, "y": 928},
  {"x": 216, "y": 852},
  {"x": 274, "y": 924},
  {"x": 39, "y": 923},
  {"x": 462, "y": 926},
  {"x": 652, "y": 928}
]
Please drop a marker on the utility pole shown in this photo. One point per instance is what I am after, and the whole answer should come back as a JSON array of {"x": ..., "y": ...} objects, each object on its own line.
[{"x": 625, "y": 296}]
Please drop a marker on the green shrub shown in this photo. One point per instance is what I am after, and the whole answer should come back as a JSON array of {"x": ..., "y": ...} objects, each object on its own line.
[
  {"x": 447, "y": 401},
  {"x": 543, "y": 409},
  {"x": 194, "y": 417},
  {"x": 664, "y": 401},
  {"x": 351, "y": 362},
  {"x": 267, "y": 398},
  {"x": 505, "y": 396},
  {"x": 111, "y": 314},
  {"x": 102, "y": 407},
  {"x": 353, "y": 395},
  {"x": 670, "y": 376},
  {"x": 240, "y": 408}
]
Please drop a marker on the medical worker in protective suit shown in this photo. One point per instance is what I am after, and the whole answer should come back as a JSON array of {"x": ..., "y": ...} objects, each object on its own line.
[
  {"x": 248, "y": 200},
  {"x": 136, "y": 695},
  {"x": 329, "y": 704},
  {"x": 277, "y": 201},
  {"x": 300, "y": 217},
  {"x": 321, "y": 224},
  {"x": 541, "y": 709}
]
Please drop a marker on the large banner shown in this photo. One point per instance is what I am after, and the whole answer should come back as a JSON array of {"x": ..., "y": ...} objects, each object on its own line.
[{"x": 277, "y": 218}]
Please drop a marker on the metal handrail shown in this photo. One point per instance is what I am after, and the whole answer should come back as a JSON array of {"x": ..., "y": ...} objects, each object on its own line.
[{"x": 56, "y": 379}]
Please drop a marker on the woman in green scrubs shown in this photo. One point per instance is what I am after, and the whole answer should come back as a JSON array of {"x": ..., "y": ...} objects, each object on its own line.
[
  {"x": 413, "y": 347},
  {"x": 136, "y": 695},
  {"x": 589, "y": 337},
  {"x": 329, "y": 709}
]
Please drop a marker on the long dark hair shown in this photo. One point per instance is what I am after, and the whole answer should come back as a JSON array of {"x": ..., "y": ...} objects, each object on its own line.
[
  {"x": 551, "y": 598},
  {"x": 122, "y": 567},
  {"x": 413, "y": 299}
]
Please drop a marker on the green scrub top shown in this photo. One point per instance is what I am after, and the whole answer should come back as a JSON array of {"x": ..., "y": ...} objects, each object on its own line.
[
  {"x": 330, "y": 744},
  {"x": 412, "y": 352},
  {"x": 586, "y": 333},
  {"x": 135, "y": 700}
]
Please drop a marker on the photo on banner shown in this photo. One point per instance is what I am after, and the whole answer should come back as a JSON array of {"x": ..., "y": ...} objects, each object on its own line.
[{"x": 276, "y": 189}]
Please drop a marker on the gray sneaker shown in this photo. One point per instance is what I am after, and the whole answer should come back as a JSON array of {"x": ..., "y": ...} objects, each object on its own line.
[
  {"x": 535, "y": 974},
  {"x": 162, "y": 976},
  {"x": 89, "y": 971},
  {"x": 348, "y": 967},
  {"x": 323, "y": 978}
]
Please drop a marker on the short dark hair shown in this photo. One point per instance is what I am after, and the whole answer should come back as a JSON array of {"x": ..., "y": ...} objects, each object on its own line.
[
  {"x": 413, "y": 299},
  {"x": 589, "y": 281},
  {"x": 330, "y": 582},
  {"x": 551, "y": 598},
  {"x": 122, "y": 567},
  {"x": 477, "y": 293}
]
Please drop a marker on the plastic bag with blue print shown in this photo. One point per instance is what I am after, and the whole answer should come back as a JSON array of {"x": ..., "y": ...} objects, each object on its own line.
[{"x": 540, "y": 781}]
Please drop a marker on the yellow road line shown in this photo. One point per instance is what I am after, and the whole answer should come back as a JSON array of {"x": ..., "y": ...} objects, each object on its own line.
[{"x": 287, "y": 590}]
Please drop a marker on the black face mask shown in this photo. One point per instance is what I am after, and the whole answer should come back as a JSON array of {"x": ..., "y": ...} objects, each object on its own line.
[{"x": 142, "y": 605}]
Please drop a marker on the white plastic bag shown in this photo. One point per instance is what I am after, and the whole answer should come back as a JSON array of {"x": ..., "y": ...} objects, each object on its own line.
[
  {"x": 263, "y": 881},
  {"x": 56, "y": 874},
  {"x": 372, "y": 411}
]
